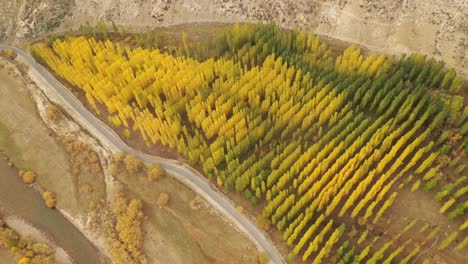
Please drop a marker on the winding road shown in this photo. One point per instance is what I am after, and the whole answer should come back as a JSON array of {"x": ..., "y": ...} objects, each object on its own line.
[{"x": 180, "y": 171}]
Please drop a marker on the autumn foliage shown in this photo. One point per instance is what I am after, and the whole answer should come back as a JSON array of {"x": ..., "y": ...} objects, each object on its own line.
[
  {"x": 276, "y": 117},
  {"x": 124, "y": 232},
  {"x": 132, "y": 164},
  {"x": 163, "y": 199},
  {"x": 26, "y": 250},
  {"x": 154, "y": 172},
  {"x": 28, "y": 177},
  {"x": 49, "y": 199}
]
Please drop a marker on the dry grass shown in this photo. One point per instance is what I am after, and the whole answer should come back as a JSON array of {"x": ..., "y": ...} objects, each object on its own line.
[
  {"x": 186, "y": 229},
  {"x": 122, "y": 227},
  {"x": 30, "y": 144},
  {"x": 87, "y": 173},
  {"x": 6, "y": 256}
]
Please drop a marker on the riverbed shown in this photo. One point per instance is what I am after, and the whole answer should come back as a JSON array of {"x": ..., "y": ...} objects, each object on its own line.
[{"x": 19, "y": 200}]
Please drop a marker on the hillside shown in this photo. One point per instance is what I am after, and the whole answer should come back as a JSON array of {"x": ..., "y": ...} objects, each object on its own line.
[{"x": 438, "y": 28}]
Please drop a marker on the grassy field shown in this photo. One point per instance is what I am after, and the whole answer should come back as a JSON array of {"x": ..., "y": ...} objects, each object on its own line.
[
  {"x": 6, "y": 256},
  {"x": 174, "y": 234},
  {"x": 24, "y": 202},
  {"x": 30, "y": 144},
  {"x": 179, "y": 234}
]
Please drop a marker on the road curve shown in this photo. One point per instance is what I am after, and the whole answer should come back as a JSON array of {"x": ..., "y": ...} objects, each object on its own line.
[{"x": 180, "y": 171}]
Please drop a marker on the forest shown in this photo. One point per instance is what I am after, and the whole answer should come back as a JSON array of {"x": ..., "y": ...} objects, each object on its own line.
[{"x": 322, "y": 141}]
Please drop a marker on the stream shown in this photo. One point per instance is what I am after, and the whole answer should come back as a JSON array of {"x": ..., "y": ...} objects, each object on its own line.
[{"x": 19, "y": 200}]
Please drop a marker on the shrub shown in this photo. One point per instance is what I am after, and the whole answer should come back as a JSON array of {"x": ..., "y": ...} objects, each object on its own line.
[
  {"x": 49, "y": 199},
  {"x": 263, "y": 258},
  {"x": 124, "y": 232},
  {"x": 9, "y": 237},
  {"x": 154, "y": 172},
  {"x": 28, "y": 177},
  {"x": 263, "y": 223},
  {"x": 119, "y": 156},
  {"x": 10, "y": 54},
  {"x": 126, "y": 133},
  {"x": 26, "y": 250},
  {"x": 132, "y": 164},
  {"x": 443, "y": 160},
  {"x": 24, "y": 260},
  {"x": 163, "y": 199},
  {"x": 53, "y": 113}
]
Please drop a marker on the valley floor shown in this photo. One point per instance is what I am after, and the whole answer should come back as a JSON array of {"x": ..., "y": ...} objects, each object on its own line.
[
  {"x": 179, "y": 233},
  {"x": 411, "y": 206}
]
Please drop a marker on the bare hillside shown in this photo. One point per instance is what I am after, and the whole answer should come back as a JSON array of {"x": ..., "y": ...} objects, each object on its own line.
[{"x": 438, "y": 28}]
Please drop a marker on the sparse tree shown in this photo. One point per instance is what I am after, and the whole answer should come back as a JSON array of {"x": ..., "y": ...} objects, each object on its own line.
[
  {"x": 132, "y": 164},
  {"x": 10, "y": 54},
  {"x": 28, "y": 177},
  {"x": 448, "y": 240},
  {"x": 102, "y": 29},
  {"x": 185, "y": 42},
  {"x": 263, "y": 223},
  {"x": 24, "y": 260},
  {"x": 163, "y": 199},
  {"x": 263, "y": 258},
  {"x": 9, "y": 237},
  {"x": 154, "y": 172},
  {"x": 49, "y": 199},
  {"x": 119, "y": 157},
  {"x": 115, "y": 28},
  {"x": 53, "y": 113}
]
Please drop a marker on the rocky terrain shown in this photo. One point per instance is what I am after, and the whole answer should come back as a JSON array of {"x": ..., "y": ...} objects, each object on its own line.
[
  {"x": 21, "y": 18},
  {"x": 438, "y": 28}
]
